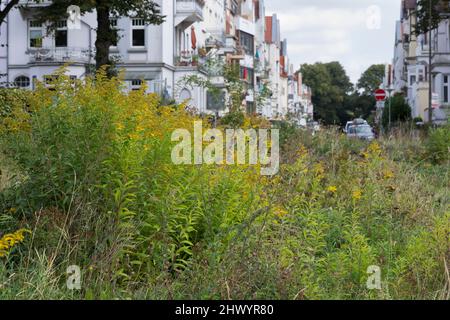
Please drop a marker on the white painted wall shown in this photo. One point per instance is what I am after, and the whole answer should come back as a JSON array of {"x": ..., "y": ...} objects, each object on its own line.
[{"x": 3, "y": 48}]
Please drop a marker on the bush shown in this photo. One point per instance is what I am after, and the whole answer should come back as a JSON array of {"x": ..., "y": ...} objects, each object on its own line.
[
  {"x": 12, "y": 99},
  {"x": 438, "y": 144},
  {"x": 400, "y": 110},
  {"x": 99, "y": 175}
]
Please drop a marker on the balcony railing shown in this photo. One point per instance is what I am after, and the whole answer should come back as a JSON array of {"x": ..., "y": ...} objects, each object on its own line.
[
  {"x": 441, "y": 58},
  {"x": 190, "y": 7},
  {"x": 189, "y": 59},
  {"x": 216, "y": 39},
  {"x": 32, "y": 4},
  {"x": 61, "y": 55}
]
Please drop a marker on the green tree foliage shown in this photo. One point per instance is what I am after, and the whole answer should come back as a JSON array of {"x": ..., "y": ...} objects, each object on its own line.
[
  {"x": 361, "y": 103},
  {"x": 400, "y": 110},
  {"x": 356, "y": 106},
  {"x": 147, "y": 10},
  {"x": 371, "y": 79},
  {"x": 334, "y": 97},
  {"x": 235, "y": 88},
  {"x": 427, "y": 8},
  {"x": 438, "y": 144},
  {"x": 330, "y": 85}
]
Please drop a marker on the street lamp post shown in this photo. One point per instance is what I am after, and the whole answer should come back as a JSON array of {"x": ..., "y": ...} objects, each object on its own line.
[
  {"x": 390, "y": 90},
  {"x": 430, "y": 58}
]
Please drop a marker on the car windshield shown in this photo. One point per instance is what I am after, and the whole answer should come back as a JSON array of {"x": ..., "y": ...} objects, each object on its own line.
[
  {"x": 360, "y": 130},
  {"x": 363, "y": 130}
]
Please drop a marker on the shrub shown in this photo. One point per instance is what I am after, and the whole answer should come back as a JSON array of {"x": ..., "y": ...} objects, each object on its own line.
[
  {"x": 400, "y": 110},
  {"x": 438, "y": 144}
]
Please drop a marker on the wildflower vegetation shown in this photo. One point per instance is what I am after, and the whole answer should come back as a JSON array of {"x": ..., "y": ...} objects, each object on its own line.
[{"x": 87, "y": 168}]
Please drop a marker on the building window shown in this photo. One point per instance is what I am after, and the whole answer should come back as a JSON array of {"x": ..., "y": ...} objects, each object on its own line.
[
  {"x": 113, "y": 22},
  {"x": 22, "y": 82},
  {"x": 136, "y": 85},
  {"x": 138, "y": 33},
  {"x": 185, "y": 94},
  {"x": 412, "y": 80},
  {"x": 61, "y": 34},
  {"x": 248, "y": 75},
  {"x": 247, "y": 42},
  {"x": 215, "y": 101},
  {"x": 234, "y": 7},
  {"x": 50, "y": 80},
  {"x": 35, "y": 34},
  {"x": 250, "y": 108},
  {"x": 445, "y": 89}
]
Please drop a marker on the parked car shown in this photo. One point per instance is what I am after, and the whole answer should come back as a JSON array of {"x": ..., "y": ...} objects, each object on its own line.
[
  {"x": 364, "y": 132},
  {"x": 354, "y": 123}
]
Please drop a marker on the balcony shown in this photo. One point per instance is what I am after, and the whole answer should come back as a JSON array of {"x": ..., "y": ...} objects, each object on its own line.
[
  {"x": 216, "y": 39},
  {"x": 188, "y": 12},
  {"x": 190, "y": 61},
  {"x": 440, "y": 59},
  {"x": 245, "y": 25},
  {"x": 60, "y": 55},
  {"x": 32, "y": 4}
]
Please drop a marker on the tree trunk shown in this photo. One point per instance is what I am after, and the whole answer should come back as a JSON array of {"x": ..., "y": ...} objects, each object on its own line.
[
  {"x": 103, "y": 42},
  {"x": 7, "y": 9}
]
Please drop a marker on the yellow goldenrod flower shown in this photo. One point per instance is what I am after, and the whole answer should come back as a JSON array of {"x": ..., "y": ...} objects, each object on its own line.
[
  {"x": 357, "y": 194},
  {"x": 280, "y": 211},
  {"x": 365, "y": 155},
  {"x": 332, "y": 189},
  {"x": 374, "y": 148},
  {"x": 388, "y": 175},
  {"x": 319, "y": 171},
  {"x": 8, "y": 241}
]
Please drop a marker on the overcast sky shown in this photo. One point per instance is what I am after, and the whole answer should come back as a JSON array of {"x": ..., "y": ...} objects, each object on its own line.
[{"x": 358, "y": 33}]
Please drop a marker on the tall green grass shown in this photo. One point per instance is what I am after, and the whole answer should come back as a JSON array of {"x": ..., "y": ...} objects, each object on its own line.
[{"x": 89, "y": 172}]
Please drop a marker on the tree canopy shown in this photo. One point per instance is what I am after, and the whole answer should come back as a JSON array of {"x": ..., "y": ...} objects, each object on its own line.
[
  {"x": 371, "y": 79},
  {"x": 335, "y": 99},
  {"x": 330, "y": 85},
  {"x": 430, "y": 8},
  {"x": 400, "y": 110}
]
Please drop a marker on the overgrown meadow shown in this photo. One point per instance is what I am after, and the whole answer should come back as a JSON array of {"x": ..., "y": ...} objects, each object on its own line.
[{"x": 87, "y": 179}]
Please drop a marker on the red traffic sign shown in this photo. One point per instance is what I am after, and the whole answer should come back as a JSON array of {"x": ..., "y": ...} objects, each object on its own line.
[{"x": 380, "y": 95}]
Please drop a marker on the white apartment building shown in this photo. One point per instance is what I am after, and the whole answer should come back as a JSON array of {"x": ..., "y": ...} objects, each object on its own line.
[
  {"x": 272, "y": 58},
  {"x": 300, "y": 106},
  {"x": 233, "y": 31},
  {"x": 411, "y": 65},
  {"x": 33, "y": 53}
]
